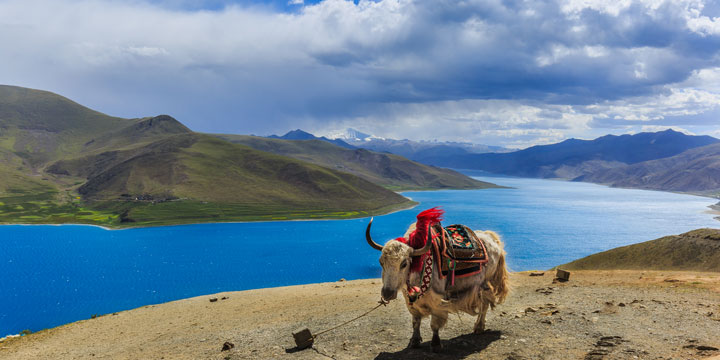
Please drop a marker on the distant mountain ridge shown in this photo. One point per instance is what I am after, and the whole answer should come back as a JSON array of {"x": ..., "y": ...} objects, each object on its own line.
[
  {"x": 419, "y": 151},
  {"x": 696, "y": 170},
  {"x": 575, "y": 158},
  {"x": 389, "y": 170},
  {"x": 302, "y": 135}
]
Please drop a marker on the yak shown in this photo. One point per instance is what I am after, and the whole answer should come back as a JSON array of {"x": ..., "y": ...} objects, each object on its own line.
[{"x": 403, "y": 268}]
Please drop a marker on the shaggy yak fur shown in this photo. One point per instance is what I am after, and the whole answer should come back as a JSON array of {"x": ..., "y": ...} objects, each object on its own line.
[{"x": 474, "y": 294}]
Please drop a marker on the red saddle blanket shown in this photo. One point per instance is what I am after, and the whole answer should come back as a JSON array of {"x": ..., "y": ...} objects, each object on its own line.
[{"x": 458, "y": 250}]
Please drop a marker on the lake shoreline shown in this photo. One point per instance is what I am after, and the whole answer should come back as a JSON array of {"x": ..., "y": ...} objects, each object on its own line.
[
  {"x": 714, "y": 208},
  {"x": 469, "y": 172},
  {"x": 410, "y": 205}
]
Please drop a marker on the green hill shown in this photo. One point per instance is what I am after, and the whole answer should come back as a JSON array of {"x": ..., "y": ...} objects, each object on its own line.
[
  {"x": 697, "y": 250},
  {"x": 392, "y": 171},
  {"x": 61, "y": 162},
  {"x": 39, "y": 126}
]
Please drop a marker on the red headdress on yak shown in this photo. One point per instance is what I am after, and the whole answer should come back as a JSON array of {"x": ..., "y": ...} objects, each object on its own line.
[{"x": 418, "y": 237}]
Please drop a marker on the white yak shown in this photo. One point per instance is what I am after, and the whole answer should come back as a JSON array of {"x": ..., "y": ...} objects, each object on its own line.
[{"x": 473, "y": 294}]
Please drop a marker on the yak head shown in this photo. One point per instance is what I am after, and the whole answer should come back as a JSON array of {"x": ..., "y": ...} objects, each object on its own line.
[{"x": 395, "y": 260}]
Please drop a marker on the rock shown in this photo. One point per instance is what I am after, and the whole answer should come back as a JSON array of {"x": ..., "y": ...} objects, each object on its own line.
[
  {"x": 530, "y": 310},
  {"x": 341, "y": 279},
  {"x": 562, "y": 275},
  {"x": 303, "y": 338},
  {"x": 227, "y": 346},
  {"x": 537, "y": 274},
  {"x": 213, "y": 299},
  {"x": 706, "y": 348},
  {"x": 598, "y": 352},
  {"x": 514, "y": 356},
  {"x": 224, "y": 298}
]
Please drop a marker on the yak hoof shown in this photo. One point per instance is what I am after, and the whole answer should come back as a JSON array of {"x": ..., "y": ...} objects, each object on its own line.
[
  {"x": 415, "y": 342},
  {"x": 436, "y": 345}
]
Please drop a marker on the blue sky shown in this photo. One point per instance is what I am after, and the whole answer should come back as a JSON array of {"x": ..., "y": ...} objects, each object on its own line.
[{"x": 512, "y": 73}]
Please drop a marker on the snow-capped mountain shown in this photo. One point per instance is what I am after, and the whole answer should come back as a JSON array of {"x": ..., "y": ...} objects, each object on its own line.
[
  {"x": 351, "y": 134},
  {"x": 415, "y": 150}
]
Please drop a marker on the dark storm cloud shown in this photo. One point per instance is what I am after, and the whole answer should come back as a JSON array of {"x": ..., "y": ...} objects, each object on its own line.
[{"x": 263, "y": 67}]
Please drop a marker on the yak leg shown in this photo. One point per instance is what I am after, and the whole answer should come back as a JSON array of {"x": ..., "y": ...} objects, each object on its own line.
[
  {"x": 437, "y": 322},
  {"x": 480, "y": 323},
  {"x": 416, "y": 339}
]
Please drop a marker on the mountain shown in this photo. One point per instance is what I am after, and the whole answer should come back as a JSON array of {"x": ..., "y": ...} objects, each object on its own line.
[
  {"x": 420, "y": 151},
  {"x": 697, "y": 250},
  {"x": 62, "y": 162},
  {"x": 351, "y": 134},
  {"x": 696, "y": 170},
  {"x": 391, "y": 171},
  {"x": 302, "y": 135},
  {"x": 573, "y": 158}
]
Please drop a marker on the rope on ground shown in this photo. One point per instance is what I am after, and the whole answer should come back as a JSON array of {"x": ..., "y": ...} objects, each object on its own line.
[{"x": 381, "y": 303}]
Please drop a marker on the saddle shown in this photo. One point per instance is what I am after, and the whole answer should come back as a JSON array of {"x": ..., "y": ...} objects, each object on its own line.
[{"x": 458, "y": 251}]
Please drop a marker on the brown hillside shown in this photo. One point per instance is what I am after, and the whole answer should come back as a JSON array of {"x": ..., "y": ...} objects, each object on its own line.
[{"x": 697, "y": 250}]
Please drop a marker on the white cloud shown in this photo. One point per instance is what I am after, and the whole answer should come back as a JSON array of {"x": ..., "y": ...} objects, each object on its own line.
[{"x": 507, "y": 73}]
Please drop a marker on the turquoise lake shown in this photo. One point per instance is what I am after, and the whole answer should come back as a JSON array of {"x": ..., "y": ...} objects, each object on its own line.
[{"x": 51, "y": 275}]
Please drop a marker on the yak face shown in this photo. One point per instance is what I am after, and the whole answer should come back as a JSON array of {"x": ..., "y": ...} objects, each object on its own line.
[{"x": 395, "y": 261}]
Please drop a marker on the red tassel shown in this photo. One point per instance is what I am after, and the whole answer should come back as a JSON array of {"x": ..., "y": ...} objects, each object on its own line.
[
  {"x": 419, "y": 236},
  {"x": 424, "y": 219}
]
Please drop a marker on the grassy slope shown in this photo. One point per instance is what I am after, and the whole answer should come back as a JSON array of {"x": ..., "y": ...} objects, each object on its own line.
[
  {"x": 40, "y": 126},
  {"x": 61, "y": 162},
  {"x": 218, "y": 181},
  {"x": 697, "y": 250},
  {"x": 392, "y": 171}
]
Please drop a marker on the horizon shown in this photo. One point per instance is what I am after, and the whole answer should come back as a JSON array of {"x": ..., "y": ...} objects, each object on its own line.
[{"x": 511, "y": 75}]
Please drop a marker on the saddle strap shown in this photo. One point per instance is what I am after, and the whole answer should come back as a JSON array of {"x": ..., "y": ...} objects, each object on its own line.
[{"x": 413, "y": 292}]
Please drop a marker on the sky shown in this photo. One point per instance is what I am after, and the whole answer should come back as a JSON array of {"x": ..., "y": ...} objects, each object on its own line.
[{"x": 511, "y": 73}]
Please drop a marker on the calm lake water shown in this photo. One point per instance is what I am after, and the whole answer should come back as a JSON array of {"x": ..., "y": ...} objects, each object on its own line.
[{"x": 51, "y": 275}]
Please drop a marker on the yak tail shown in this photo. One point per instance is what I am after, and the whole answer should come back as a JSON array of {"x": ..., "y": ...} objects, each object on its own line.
[{"x": 500, "y": 280}]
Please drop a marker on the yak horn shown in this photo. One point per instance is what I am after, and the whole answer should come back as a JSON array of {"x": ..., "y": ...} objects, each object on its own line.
[
  {"x": 428, "y": 244},
  {"x": 369, "y": 239}
]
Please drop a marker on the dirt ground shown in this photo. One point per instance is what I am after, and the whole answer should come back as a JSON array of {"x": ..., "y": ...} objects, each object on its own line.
[{"x": 596, "y": 315}]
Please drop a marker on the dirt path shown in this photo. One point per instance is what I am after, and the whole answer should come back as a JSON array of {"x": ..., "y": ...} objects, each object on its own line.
[{"x": 596, "y": 315}]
